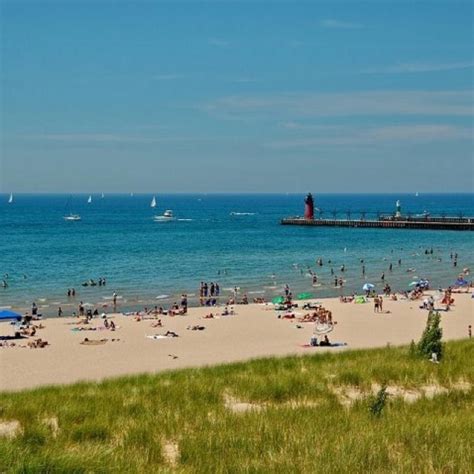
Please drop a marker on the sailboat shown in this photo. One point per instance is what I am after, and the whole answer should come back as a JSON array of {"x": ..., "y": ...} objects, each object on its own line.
[
  {"x": 153, "y": 202},
  {"x": 417, "y": 194},
  {"x": 10, "y": 199},
  {"x": 71, "y": 216},
  {"x": 89, "y": 200},
  {"x": 102, "y": 196}
]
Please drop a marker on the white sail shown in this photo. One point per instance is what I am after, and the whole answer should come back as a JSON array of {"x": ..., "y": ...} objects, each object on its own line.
[
  {"x": 10, "y": 199},
  {"x": 90, "y": 199},
  {"x": 102, "y": 196},
  {"x": 131, "y": 194},
  {"x": 153, "y": 202}
]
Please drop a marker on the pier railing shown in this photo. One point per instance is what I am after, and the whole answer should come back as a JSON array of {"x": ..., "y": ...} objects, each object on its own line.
[{"x": 388, "y": 222}]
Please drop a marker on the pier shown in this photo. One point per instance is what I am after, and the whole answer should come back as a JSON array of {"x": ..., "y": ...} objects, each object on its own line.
[{"x": 394, "y": 221}]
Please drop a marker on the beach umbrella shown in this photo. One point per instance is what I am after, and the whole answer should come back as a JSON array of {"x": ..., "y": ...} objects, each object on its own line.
[
  {"x": 414, "y": 283},
  {"x": 304, "y": 296},
  {"x": 368, "y": 287},
  {"x": 7, "y": 315},
  {"x": 278, "y": 300}
]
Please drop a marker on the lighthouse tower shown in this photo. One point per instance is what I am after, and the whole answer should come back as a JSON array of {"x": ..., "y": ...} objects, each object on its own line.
[
  {"x": 309, "y": 207},
  {"x": 398, "y": 212}
]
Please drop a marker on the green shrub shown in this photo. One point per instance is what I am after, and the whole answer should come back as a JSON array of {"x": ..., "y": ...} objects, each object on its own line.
[{"x": 378, "y": 402}]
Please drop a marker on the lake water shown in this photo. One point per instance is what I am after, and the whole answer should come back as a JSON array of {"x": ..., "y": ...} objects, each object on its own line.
[{"x": 141, "y": 259}]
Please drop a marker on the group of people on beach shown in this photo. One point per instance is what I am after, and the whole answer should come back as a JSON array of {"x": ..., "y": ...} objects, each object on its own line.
[{"x": 209, "y": 293}]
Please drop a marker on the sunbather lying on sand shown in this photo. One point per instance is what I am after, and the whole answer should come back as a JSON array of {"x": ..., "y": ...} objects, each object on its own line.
[
  {"x": 196, "y": 328},
  {"x": 38, "y": 344}
]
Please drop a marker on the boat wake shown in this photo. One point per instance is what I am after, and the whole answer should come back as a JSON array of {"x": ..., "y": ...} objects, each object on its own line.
[{"x": 243, "y": 213}]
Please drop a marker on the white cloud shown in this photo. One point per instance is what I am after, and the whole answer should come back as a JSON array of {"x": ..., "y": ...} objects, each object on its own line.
[
  {"x": 345, "y": 104},
  {"x": 332, "y": 23},
  {"x": 106, "y": 138},
  {"x": 420, "y": 67},
  {"x": 358, "y": 136}
]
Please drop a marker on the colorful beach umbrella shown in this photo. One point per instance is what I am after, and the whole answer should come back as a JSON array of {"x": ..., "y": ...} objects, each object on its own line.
[{"x": 304, "y": 296}]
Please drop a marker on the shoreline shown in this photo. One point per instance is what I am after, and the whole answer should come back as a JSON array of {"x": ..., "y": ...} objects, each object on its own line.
[{"x": 253, "y": 332}]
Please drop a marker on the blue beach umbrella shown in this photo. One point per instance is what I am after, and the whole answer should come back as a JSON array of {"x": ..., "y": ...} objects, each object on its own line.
[
  {"x": 368, "y": 287},
  {"x": 7, "y": 315}
]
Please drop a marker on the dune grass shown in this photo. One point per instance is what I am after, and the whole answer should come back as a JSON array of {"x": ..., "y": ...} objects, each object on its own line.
[{"x": 293, "y": 418}]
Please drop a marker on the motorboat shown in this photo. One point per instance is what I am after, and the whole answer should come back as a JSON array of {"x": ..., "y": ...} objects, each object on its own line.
[{"x": 165, "y": 217}]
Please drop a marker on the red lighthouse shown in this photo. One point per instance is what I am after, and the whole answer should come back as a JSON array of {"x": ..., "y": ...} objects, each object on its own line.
[{"x": 309, "y": 207}]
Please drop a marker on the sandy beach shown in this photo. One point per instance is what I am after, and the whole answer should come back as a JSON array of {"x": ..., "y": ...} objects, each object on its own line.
[{"x": 254, "y": 331}]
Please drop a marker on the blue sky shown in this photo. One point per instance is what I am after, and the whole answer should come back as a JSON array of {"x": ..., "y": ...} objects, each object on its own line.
[{"x": 236, "y": 97}]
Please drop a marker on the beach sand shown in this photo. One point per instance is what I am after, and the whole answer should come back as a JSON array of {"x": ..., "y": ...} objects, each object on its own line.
[{"x": 255, "y": 331}]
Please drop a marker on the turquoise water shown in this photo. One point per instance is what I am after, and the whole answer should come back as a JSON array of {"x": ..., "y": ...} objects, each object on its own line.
[{"x": 142, "y": 259}]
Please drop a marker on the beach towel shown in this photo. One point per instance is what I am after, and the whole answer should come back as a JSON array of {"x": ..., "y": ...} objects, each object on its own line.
[{"x": 157, "y": 336}]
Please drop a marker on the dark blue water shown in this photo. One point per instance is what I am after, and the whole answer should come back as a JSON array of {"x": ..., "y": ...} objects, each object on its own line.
[{"x": 141, "y": 259}]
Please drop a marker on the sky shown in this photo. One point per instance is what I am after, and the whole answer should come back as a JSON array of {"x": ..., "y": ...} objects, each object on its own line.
[{"x": 168, "y": 97}]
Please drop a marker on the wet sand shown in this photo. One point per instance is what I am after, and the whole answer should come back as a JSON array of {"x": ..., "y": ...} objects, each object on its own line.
[{"x": 254, "y": 331}]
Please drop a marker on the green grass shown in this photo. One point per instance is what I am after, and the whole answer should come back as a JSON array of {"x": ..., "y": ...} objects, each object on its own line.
[{"x": 121, "y": 425}]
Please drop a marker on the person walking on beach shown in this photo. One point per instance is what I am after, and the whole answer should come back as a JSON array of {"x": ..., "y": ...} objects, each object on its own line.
[
  {"x": 60, "y": 312},
  {"x": 114, "y": 297},
  {"x": 381, "y": 304},
  {"x": 376, "y": 304}
]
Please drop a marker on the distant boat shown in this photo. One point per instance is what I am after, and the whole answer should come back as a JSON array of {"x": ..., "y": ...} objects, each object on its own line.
[
  {"x": 153, "y": 202},
  {"x": 417, "y": 194},
  {"x": 10, "y": 199},
  {"x": 102, "y": 196},
  {"x": 71, "y": 216},
  {"x": 131, "y": 194},
  {"x": 166, "y": 217},
  {"x": 89, "y": 200}
]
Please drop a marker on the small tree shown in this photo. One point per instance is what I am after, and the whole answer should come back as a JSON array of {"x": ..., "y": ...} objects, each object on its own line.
[
  {"x": 431, "y": 338},
  {"x": 378, "y": 402}
]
